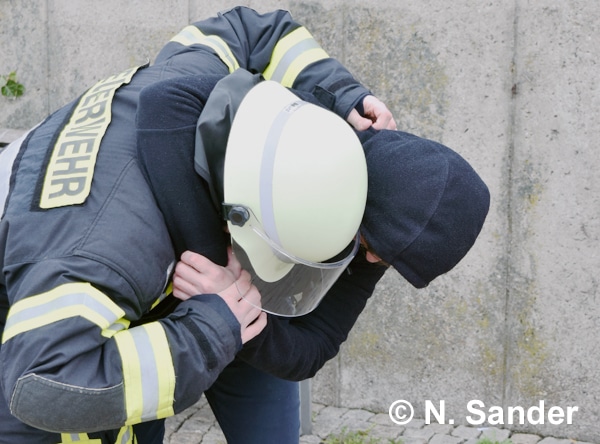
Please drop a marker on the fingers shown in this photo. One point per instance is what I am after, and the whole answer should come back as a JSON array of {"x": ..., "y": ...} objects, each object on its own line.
[
  {"x": 243, "y": 286},
  {"x": 195, "y": 274},
  {"x": 384, "y": 122},
  {"x": 252, "y": 319},
  {"x": 243, "y": 299},
  {"x": 185, "y": 282},
  {"x": 197, "y": 261},
  {"x": 255, "y": 327},
  {"x": 248, "y": 313},
  {"x": 378, "y": 112},
  {"x": 233, "y": 264},
  {"x": 358, "y": 122}
]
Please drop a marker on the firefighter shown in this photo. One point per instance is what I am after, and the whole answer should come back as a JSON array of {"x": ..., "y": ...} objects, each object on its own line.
[
  {"x": 425, "y": 207},
  {"x": 87, "y": 254}
]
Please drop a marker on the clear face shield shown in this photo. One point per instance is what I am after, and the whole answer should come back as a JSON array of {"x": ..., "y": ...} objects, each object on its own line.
[{"x": 289, "y": 285}]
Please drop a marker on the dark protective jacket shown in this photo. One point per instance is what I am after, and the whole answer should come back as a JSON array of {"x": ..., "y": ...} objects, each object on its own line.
[{"x": 85, "y": 250}]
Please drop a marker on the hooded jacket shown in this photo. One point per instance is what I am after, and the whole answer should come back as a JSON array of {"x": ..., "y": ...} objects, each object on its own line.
[{"x": 290, "y": 348}]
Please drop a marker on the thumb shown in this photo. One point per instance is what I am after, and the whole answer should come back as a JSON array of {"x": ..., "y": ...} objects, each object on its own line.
[
  {"x": 233, "y": 264},
  {"x": 357, "y": 121}
]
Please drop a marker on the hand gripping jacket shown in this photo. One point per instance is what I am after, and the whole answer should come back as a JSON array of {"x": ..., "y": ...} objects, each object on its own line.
[{"x": 85, "y": 251}]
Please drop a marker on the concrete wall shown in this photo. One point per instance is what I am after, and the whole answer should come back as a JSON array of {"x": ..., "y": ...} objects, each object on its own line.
[{"x": 512, "y": 86}]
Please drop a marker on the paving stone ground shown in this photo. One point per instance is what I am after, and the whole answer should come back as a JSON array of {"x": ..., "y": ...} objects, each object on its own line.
[{"x": 197, "y": 425}]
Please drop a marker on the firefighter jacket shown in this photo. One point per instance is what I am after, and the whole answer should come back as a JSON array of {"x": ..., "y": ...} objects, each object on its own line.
[{"x": 86, "y": 253}]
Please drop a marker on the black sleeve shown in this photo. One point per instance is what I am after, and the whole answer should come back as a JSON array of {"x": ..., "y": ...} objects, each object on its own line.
[
  {"x": 296, "y": 348},
  {"x": 166, "y": 130}
]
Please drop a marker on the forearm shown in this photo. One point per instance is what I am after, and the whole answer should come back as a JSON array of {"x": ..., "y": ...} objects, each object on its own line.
[
  {"x": 278, "y": 47},
  {"x": 296, "y": 348},
  {"x": 78, "y": 368}
]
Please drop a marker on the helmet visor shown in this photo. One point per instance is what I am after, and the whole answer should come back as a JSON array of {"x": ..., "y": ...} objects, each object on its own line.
[{"x": 304, "y": 283}]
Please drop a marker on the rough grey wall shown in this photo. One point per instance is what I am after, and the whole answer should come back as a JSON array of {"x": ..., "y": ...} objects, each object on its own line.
[{"x": 513, "y": 87}]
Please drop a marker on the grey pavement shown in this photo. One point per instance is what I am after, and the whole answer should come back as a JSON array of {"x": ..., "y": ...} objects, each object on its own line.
[{"x": 197, "y": 425}]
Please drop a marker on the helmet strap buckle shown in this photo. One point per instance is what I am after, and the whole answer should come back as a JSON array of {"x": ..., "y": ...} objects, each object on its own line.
[{"x": 236, "y": 214}]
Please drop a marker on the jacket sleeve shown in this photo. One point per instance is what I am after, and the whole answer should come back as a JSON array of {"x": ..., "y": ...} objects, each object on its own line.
[
  {"x": 71, "y": 359},
  {"x": 274, "y": 45},
  {"x": 296, "y": 348},
  {"x": 70, "y": 364}
]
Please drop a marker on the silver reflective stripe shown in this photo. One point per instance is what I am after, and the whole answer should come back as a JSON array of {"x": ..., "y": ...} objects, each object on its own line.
[
  {"x": 188, "y": 35},
  {"x": 125, "y": 436},
  {"x": 224, "y": 53},
  {"x": 267, "y": 169},
  {"x": 290, "y": 57},
  {"x": 115, "y": 328},
  {"x": 76, "y": 299},
  {"x": 75, "y": 302},
  {"x": 149, "y": 373},
  {"x": 191, "y": 35}
]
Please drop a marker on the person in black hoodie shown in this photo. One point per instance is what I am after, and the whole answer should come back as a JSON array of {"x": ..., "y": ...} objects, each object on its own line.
[{"x": 425, "y": 208}]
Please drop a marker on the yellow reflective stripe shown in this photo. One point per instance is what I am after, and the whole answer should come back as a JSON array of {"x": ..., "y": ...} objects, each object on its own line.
[
  {"x": 111, "y": 330},
  {"x": 80, "y": 438},
  {"x": 70, "y": 170},
  {"x": 162, "y": 297},
  {"x": 125, "y": 435},
  {"x": 63, "y": 302},
  {"x": 291, "y": 55},
  {"x": 148, "y": 373},
  {"x": 191, "y": 35},
  {"x": 132, "y": 374}
]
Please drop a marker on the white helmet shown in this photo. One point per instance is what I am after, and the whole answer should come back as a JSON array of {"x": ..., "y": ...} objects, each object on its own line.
[{"x": 295, "y": 187}]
